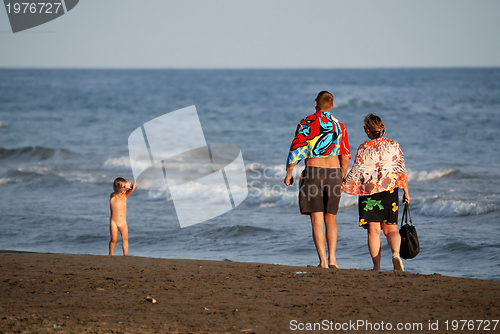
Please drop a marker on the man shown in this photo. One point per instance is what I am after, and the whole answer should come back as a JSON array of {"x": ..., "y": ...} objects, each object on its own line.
[{"x": 322, "y": 141}]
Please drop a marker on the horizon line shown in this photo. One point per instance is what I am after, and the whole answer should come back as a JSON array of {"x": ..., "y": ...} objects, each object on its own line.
[{"x": 252, "y": 68}]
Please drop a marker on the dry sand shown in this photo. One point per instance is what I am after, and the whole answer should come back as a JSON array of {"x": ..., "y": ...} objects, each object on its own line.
[{"x": 58, "y": 293}]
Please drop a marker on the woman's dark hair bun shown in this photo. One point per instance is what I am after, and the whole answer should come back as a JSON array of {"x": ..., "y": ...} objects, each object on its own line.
[{"x": 375, "y": 125}]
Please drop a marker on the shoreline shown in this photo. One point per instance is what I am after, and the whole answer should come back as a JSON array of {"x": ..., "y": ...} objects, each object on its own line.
[{"x": 101, "y": 294}]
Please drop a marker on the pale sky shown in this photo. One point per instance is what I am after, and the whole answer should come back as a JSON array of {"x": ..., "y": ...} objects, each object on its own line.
[{"x": 260, "y": 34}]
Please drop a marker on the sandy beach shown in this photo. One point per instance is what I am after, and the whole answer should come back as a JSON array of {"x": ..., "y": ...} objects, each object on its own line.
[{"x": 59, "y": 293}]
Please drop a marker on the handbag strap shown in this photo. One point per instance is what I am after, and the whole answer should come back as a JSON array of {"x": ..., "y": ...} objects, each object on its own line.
[
  {"x": 406, "y": 214},
  {"x": 407, "y": 207}
]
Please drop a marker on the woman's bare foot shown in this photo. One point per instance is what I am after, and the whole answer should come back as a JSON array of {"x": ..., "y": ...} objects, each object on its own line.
[{"x": 398, "y": 264}]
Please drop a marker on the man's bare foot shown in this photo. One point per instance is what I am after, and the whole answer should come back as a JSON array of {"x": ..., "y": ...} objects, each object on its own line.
[{"x": 332, "y": 262}]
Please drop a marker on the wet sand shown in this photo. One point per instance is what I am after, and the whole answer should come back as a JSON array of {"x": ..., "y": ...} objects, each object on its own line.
[{"x": 59, "y": 293}]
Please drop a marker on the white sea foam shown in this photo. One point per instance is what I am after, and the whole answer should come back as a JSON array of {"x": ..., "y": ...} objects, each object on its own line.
[
  {"x": 348, "y": 200},
  {"x": 158, "y": 195},
  {"x": 456, "y": 208},
  {"x": 215, "y": 194},
  {"x": 433, "y": 174},
  {"x": 279, "y": 196},
  {"x": 6, "y": 181},
  {"x": 67, "y": 173},
  {"x": 264, "y": 192},
  {"x": 122, "y": 163},
  {"x": 357, "y": 102},
  {"x": 259, "y": 171}
]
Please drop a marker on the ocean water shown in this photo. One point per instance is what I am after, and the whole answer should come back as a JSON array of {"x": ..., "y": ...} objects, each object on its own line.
[{"x": 64, "y": 133}]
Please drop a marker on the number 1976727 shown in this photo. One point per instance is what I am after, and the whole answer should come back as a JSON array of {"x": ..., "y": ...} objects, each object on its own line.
[{"x": 33, "y": 7}]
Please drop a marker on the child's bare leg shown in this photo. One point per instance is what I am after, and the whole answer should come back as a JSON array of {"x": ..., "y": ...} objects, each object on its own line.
[
  {"x": 113, "y": 230},
  {"x": 331, "y": 238},
  {"x": 318, "y": 232},
  {"x": 374, "y": 244},
  {"x": 124, "y": 234}
]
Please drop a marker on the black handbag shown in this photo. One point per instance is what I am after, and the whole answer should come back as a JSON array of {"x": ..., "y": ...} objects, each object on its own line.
[{"x": 409, "y": 238}]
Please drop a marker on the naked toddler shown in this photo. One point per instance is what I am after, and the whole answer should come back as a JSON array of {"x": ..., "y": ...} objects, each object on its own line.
[{"x": 118, "y": 218}]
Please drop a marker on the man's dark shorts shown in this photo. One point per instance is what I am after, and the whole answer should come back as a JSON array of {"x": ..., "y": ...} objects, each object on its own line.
[{"x": 320, "y": 189}]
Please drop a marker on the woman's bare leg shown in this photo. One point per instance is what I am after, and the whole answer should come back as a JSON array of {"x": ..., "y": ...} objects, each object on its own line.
[
  {"x": 394, "y": 241},
  {"x": 374, "y": 244},
  {"x": 393, "y": 238}
]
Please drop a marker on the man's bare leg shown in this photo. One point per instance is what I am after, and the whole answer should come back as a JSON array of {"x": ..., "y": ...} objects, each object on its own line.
[
  {"x": 318, "y": 232},
  {"x": 113, "y": 230},
  {"x": 331, "y": 238},
  {"x": 124, "y": 233},
  {"x": 374, "y": 244}
]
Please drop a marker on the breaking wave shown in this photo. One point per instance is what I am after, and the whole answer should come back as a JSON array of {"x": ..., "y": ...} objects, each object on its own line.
[
  {"x": 456, "y": 208},
  {"x": 33, "y": 153},
  {"x": 433, "y": 174}
]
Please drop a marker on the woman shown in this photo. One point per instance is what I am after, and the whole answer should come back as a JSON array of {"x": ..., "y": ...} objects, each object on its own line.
[{"x": 377, "y": 173}]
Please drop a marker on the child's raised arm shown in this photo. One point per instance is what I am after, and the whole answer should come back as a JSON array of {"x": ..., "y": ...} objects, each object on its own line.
[{"x": 131, "y": 187}]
